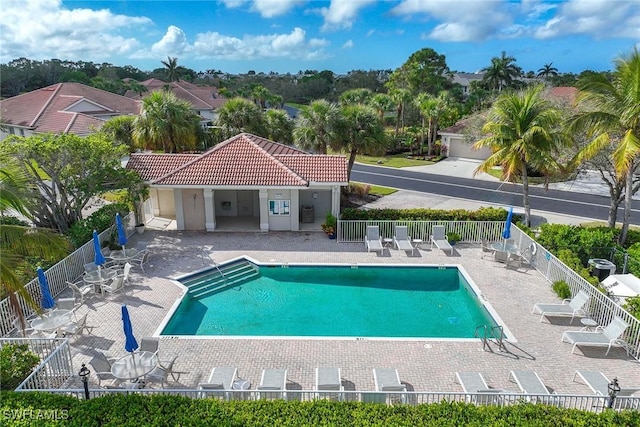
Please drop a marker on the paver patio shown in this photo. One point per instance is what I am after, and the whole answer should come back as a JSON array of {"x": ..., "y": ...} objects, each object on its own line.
[{"x": 423, "y": 365}]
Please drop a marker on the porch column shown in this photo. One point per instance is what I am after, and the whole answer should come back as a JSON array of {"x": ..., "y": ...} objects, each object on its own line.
[
  {"x": 177, "y": 198},
  {"x": 263, "y": 196},
  {"x": 335, "y": 200},
  {"x": 209, "y": 209},
  {"x": 295, "y": 210}
]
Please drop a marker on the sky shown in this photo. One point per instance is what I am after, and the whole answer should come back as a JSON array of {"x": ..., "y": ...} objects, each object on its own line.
[{"x": 283, "y": 36}]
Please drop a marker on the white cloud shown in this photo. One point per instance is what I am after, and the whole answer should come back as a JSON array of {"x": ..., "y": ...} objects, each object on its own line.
[
  {"x": 348, "y": 44},
  {"x": 292, "y": 45},
  {"x": 467, "y": 21},
  {"x": 341, "y": 13},
  {"x": 43, "y": 29},
  {"x": 271, "y": 8},
  {"x": 173, "y": 43},
  {"x": 232, "y": 4},
  {"x": 599, "y": 19}
]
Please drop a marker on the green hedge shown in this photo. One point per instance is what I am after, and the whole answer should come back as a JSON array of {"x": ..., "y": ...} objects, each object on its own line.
[
  {"x": 81, "y": 231},
  {"x": 482, "y": 214},
  {"x": 158, "y": 410}
]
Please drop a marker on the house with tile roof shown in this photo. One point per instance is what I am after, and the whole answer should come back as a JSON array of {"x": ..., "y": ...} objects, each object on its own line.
[
  {"x": 63, "y": 108},
  {"x": 245, "y": 183},
  {"x": 204, "y": 100}
]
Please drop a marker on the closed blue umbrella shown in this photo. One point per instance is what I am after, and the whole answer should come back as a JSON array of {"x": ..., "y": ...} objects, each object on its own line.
[
  {"x": 122, "y": 235},
  {"x": 130, "y": 343},
  {"x": 47, "y": 300},
  {"x": 99, "y": 258},
  {"x": 506, "y": 233}
]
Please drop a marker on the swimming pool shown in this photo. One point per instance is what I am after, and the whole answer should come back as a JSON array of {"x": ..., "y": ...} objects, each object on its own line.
[{"x": 337, "y": 301}]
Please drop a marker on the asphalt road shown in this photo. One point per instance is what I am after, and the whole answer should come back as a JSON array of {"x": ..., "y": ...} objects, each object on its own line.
[{"x": 562, "y": 202}]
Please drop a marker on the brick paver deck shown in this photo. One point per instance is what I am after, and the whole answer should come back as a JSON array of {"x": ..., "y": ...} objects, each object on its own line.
[{"x": 422, "y": 365}]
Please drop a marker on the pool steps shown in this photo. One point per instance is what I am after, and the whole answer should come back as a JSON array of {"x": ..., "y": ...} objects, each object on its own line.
[{"x": 224, "y": 276}]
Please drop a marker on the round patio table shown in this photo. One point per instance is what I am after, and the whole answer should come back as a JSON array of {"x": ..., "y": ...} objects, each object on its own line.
[
  {"x": 134, "y": 365},
  {"x": 52, "y": 321}
]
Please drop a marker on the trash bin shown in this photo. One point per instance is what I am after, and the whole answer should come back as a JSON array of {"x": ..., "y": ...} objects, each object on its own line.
[{"x": 602, "y": 268}]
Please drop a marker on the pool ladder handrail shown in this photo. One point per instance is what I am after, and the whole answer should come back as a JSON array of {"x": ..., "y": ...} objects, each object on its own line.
[
  {"x": 215, "y": 264},
  {"x": 488, "y": 333}
]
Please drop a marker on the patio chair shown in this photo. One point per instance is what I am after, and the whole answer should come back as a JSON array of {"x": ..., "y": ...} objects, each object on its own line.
[
  {"x": 569, "y": 307},
  {"x": 388, "y": 380},
  {"x": 439, "y": 238},
  {"x": 274, "y": 380},
  {"x": 486, "y": 248},
  {"x": 329, "y": 379},
  {"x": 125, "y": 273},
  {"x": 75, "y": 329},
  {"x": 66, "y": 304},
  {"x": 160, "y": 373},
  {"x": 141, "y": 257},
  {"x": 116, "y": 285},
  {"x": 372, "y": 240},
  {"x": 90, "y": 266},
  {"x": 401, "y": 239},
  {"x": 601, "y": 337},
  {"x": 80, "y": 291},
  {"x": 149, "y": 344},
  {"x": 102, "y": 369},
  {"x": 219, "y": 383}
]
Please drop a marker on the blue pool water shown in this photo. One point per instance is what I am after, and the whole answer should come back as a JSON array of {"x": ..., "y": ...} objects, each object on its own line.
[{"x": 338, "y": 301}]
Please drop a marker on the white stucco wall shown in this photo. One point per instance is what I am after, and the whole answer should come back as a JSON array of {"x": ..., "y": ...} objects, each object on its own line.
[{"x": 193, "y": 209}]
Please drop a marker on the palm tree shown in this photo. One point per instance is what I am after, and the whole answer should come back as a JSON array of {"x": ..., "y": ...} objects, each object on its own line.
[
  {"x": 240, "y": 115},
  {"x": 279, "y": 126},
  {"x": 18, "y": 242},
  {"x": 382, "y": 103},
  {"x": 166, "y": 123},
  {"x": 260, "y": 94},
  {"x": 356, "y": 96},
  {"x": 501, "y": 72},
  {"x": 137, "y": 87},
  {"x": 359, "y": 131},
  {"x": 120, "y": 130},
  {"x": 547, "y": 71},
  {"x": 316, "y": 126},
  {"x": 611, "y": 116},
  {"x": 171, "y": 65},
  {"x": 523, "y": 129},
  {"x": 400, "y": 97}
]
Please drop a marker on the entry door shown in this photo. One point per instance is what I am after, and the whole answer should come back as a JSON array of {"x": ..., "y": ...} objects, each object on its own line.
[{"x": 245, "y": 203}]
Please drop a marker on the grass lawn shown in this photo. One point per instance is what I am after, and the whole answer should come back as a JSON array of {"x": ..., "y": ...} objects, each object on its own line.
[
  {"x": 393, "y": 161},
  {"x": 378, "y": 190}
]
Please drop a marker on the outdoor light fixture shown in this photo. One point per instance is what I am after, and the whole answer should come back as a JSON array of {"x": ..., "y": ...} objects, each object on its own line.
[
  {"x": 614, "y": 388},
  {"x": 84, "y": 375}
]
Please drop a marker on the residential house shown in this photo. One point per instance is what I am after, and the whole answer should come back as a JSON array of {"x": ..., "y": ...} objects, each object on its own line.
[
  {"x": 245, "y": 183},
  {"x": 63, "y": 108},
  {"x": 204, "y": 100}
]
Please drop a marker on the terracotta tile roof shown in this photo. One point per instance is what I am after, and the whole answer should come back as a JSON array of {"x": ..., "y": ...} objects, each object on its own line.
[
  {"x": 200, "y": 97},
  {"x": 244, "y": 160},
  {"x": 317, "y": 167},
  {"x": 66, "y": 108},
  {"x": 152, "y": 166}
]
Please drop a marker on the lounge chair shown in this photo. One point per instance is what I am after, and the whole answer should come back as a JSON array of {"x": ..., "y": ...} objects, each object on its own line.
[
  {"x": 569, "y": 307},
  {"x": 372, "y": 240},
  {"x": 529, "y": 382},
  {"x": 439, "y": 238},
  {"x": 219, "y": 383},
  {"x": 599, "y": 383},
  {"x": 475, "y": 384},
  {"x": 329, "y": 379},
  {"x": 388, "y": 380},
  {"x": 401, "y": 239},
  {"x": 609, "y": 336},
  {"x": 274, "y": 380}
]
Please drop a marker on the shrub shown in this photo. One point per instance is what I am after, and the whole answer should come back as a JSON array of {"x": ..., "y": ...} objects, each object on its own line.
[
  {"x": 561, "y": 289},
  {"x": 12, "y": 220},
  {"x": 482, "y": 214},
  {"x": 16, "y": 363},
  {"x": 359, "y": 189},
  {"x": 81, "y": 231}
]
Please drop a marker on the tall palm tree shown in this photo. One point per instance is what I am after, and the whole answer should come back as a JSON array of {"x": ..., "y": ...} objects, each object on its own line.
[
  {"x": 279, "y": 126},
  {"x": 315, "y": 129},
  {"x": 18, "y": 242},
  {"x": 547, "y": 71},
  {"x": 166, "y": 123},
  {"x": 400, "y": 97},
  {"x": 171, "y": 65},
  {"x": 240, "y": 115},
  {"x": 523, "y": 129},
  {"x": 501, "y": 72},
  {"x": 356, "y": 96},
  {"x": 260, "y": 94},
  {"x": 382, "y": 103},
  {"x": 610, "y": 114},
  {"x": 359, "y": 131}
]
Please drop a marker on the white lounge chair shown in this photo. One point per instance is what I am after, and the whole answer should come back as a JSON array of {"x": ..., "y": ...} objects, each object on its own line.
[
  {"x": 529, "y": 382},
  {"x": 599, "y": 383},
  {"x": 329, "y": 379},
  {"x": 388, "y": 381},
  {"x": 274, "y": 380},
  {"x": 439, "y": 238},
  {"x": 603, "y": 337},
  {"x": 474, "y": 383},
  {"x": 219, "y": 383},
  {"x": 401, "y": 239},
  {"x": 372, "y": 240},
  {"x": 569, "y": 307}
]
